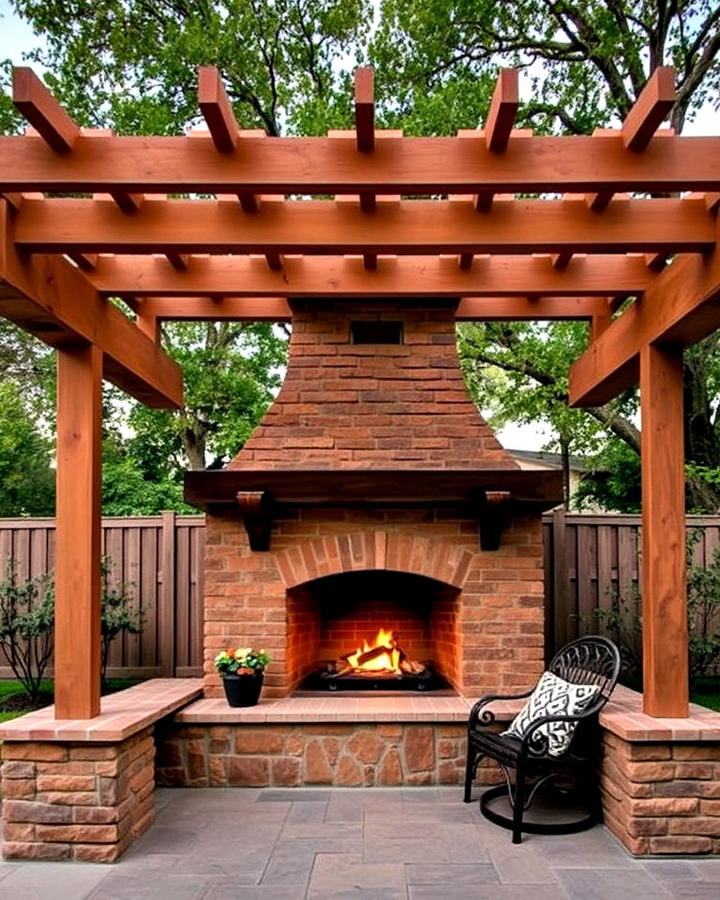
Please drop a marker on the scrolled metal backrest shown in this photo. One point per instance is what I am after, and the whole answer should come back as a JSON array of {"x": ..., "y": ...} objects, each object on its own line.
[{"x": 589, "y": 660}]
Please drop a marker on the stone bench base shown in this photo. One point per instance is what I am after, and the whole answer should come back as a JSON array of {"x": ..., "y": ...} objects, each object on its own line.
[
  {"x": 343, "y": 755},
  {"x": 77, "y": 801},
  {"x": 660, "y": 778}
]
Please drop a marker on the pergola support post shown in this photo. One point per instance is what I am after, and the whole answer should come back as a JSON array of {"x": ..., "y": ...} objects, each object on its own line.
[
  {"x": 77, "y": 571},
  {"x": 664, "y": 605}
]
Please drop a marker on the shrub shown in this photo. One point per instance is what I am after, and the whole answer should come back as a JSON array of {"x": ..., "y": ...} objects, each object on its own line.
[
  {"x": 117, "y": 613},
  {"x": 26, "y": 626}
]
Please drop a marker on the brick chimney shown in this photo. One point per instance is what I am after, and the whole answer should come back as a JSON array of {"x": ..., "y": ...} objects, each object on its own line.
[{"x": 373, "y": 385}]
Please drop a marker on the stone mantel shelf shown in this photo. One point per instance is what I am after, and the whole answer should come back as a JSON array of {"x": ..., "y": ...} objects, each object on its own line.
[
  {"x": 495, "y": 494},
  {"x": 122, "y": 714}
]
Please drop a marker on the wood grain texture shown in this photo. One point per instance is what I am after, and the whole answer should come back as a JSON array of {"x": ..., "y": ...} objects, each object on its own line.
[
  {"x": 407, "y": 165},
  {"x": 35, "y": 102},
  {"x": 77, "y": 567},
  {"x": 50, "y": 298},
  {"x": 665, "y": 637},
  {"x": 406, "y": 276},
  {"x": 503, "y": 109},
  {"x": 682, "y": 305},
  {"x": 654, "y": 104},
  {"x": 216, "y": 109},
  {"x": 179, "y": 227}
]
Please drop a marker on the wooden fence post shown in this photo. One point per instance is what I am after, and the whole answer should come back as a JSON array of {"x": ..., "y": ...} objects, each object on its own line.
[
  {"x": 561, "y": 578},
  {"x": 166, "y": 597}
]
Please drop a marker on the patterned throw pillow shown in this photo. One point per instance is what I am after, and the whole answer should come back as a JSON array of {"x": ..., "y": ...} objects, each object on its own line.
[{"x": 554, "y": 696}]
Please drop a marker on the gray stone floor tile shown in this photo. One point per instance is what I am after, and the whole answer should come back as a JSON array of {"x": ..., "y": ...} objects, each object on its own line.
[
  {"x": 359, "y": 893},
  {"x": 320, "y": 830},
  {"x": 707, "y": 869},
  {"x": 344, "y": 811},
  {"x": 407, "y": 852},
  {"x": 226, "y": 889},
  {"x": 119, "y": 885},
  {"x": 671, "y": 870},
  {"x": 455, "y": 873},
  {"x": 693, "y": 890},
  {"x": 594, "y": 848},
  {"x": 296, "y": 795},
  {"x": 306, "y": 813},
  {"x": 525, "y": 867},
  {"x": 6, "y": 869},
  {"x": 592, "y": 883},
  {"x": 488, "y": 892},
  {"x": 332, "y": 873},
  {"x": 40, "y": 881}
]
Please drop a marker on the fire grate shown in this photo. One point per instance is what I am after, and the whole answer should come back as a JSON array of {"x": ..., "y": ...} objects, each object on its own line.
[{"x": 328, "y": 679}]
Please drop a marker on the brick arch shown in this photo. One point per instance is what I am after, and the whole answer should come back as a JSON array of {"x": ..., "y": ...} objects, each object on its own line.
[{"x": 378, "y": 550}]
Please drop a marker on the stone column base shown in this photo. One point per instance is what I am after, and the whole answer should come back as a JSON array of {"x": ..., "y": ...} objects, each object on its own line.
[{"x": 76, "y": 801}]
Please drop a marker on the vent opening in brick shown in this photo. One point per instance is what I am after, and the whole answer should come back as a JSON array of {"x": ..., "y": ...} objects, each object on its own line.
[{"x": 376, "y": 332}]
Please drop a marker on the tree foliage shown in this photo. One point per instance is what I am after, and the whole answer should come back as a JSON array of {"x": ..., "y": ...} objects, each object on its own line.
[{"x": 287, "y": 64}]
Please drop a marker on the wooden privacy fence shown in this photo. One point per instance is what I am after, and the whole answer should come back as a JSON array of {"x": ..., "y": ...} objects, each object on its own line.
[
  {"x": 590, "y": 559},
  {"x": 162, "y": 557}
]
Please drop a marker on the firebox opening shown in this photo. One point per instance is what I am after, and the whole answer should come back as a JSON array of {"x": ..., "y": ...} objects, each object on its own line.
[
  {"x": 373, "y": 630},
  {"x": 376, "y": 332}
]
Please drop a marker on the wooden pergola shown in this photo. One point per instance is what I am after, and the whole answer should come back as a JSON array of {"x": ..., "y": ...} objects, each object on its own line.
[{"x": 260, "y": 240}]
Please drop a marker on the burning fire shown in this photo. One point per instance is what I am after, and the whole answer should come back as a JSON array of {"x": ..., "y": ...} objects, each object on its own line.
[{"x": 384, "y": 652}]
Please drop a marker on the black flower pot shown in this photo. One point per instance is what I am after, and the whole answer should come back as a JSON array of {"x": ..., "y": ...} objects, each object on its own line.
[{"x": 243, "y": 690}]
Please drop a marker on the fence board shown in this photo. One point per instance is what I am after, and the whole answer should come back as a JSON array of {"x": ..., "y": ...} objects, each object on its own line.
[{"x": 142, "y": 550}]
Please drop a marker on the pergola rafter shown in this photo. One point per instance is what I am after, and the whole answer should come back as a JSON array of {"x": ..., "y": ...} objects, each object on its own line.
[{"x": 262, "y": 244}]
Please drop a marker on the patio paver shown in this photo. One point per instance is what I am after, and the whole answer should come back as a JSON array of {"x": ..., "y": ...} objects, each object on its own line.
[{"x": 420, "y": 844}]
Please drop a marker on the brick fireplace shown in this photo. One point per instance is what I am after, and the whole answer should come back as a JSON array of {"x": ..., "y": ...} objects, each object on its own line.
[{"x": 374, "y": 494}]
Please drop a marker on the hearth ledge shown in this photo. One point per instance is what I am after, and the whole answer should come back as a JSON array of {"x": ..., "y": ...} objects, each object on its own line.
[{"x": 301, "y": 710}]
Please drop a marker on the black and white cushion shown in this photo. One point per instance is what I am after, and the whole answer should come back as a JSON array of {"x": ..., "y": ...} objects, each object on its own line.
[{"x": 554, "y": 696}]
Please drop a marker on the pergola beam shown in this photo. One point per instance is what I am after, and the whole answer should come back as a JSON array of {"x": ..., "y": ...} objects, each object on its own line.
[
  {"x": 365, "y": 109},
  {"x": 681, "y": 305},
  {"x": 503, "y": 109},
  {"x": 52, "y": 299},
  {"x": 650, "y": 109},
  {"x": 660, "y": 226},
  {"x": 217, "y": 111},
  {"x": 511, "y": 309},
  {"x": 277, "y": 309},
  {"x": 35, "y": 102},
  {"x": 299, "y": 165},
  {"x": 338, "y": 276}
]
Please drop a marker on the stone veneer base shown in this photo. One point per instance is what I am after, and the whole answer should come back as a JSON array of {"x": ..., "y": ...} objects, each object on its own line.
[{"x": 83, "y": 790}]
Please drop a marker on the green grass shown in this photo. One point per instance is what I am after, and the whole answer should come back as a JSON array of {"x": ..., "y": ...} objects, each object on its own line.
[
  {"x": 707, "y": 693},
  {"x": 9, "y": 687}
]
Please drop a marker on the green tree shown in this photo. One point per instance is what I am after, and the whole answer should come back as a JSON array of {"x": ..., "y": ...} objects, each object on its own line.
[
  {"x": 281, "y": 59},
  {"x": 27, "y": 480},
  {"x": 586, "y": 63}
]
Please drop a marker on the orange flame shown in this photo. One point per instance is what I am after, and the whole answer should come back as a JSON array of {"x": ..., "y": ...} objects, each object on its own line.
[{"x": 383, "y": 661}]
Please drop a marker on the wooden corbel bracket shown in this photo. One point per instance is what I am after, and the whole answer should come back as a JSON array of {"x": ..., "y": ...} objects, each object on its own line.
[
  {"x": 492, "y": 508},
  {"x": 256, "y": 513}
]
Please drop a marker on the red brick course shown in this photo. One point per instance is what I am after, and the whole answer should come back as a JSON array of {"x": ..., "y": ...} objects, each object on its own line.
[
  {"x": 74, "y": 802},
  {"x": 360, "y": 406},
  {"x": 487, "y": 624}
]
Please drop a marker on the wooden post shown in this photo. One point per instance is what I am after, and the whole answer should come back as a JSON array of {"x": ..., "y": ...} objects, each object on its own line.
[
  {"x": 665, "y": 636},
  {"x": 166, "y": 597},
  {"x": 77, "y": 569}
]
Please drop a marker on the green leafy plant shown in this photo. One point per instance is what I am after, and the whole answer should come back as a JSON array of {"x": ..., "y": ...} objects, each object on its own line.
[
  {"x": 243, "y": 661},
  {"x": 26, "y": 626},
  {"x": 117, "y": 614}
]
